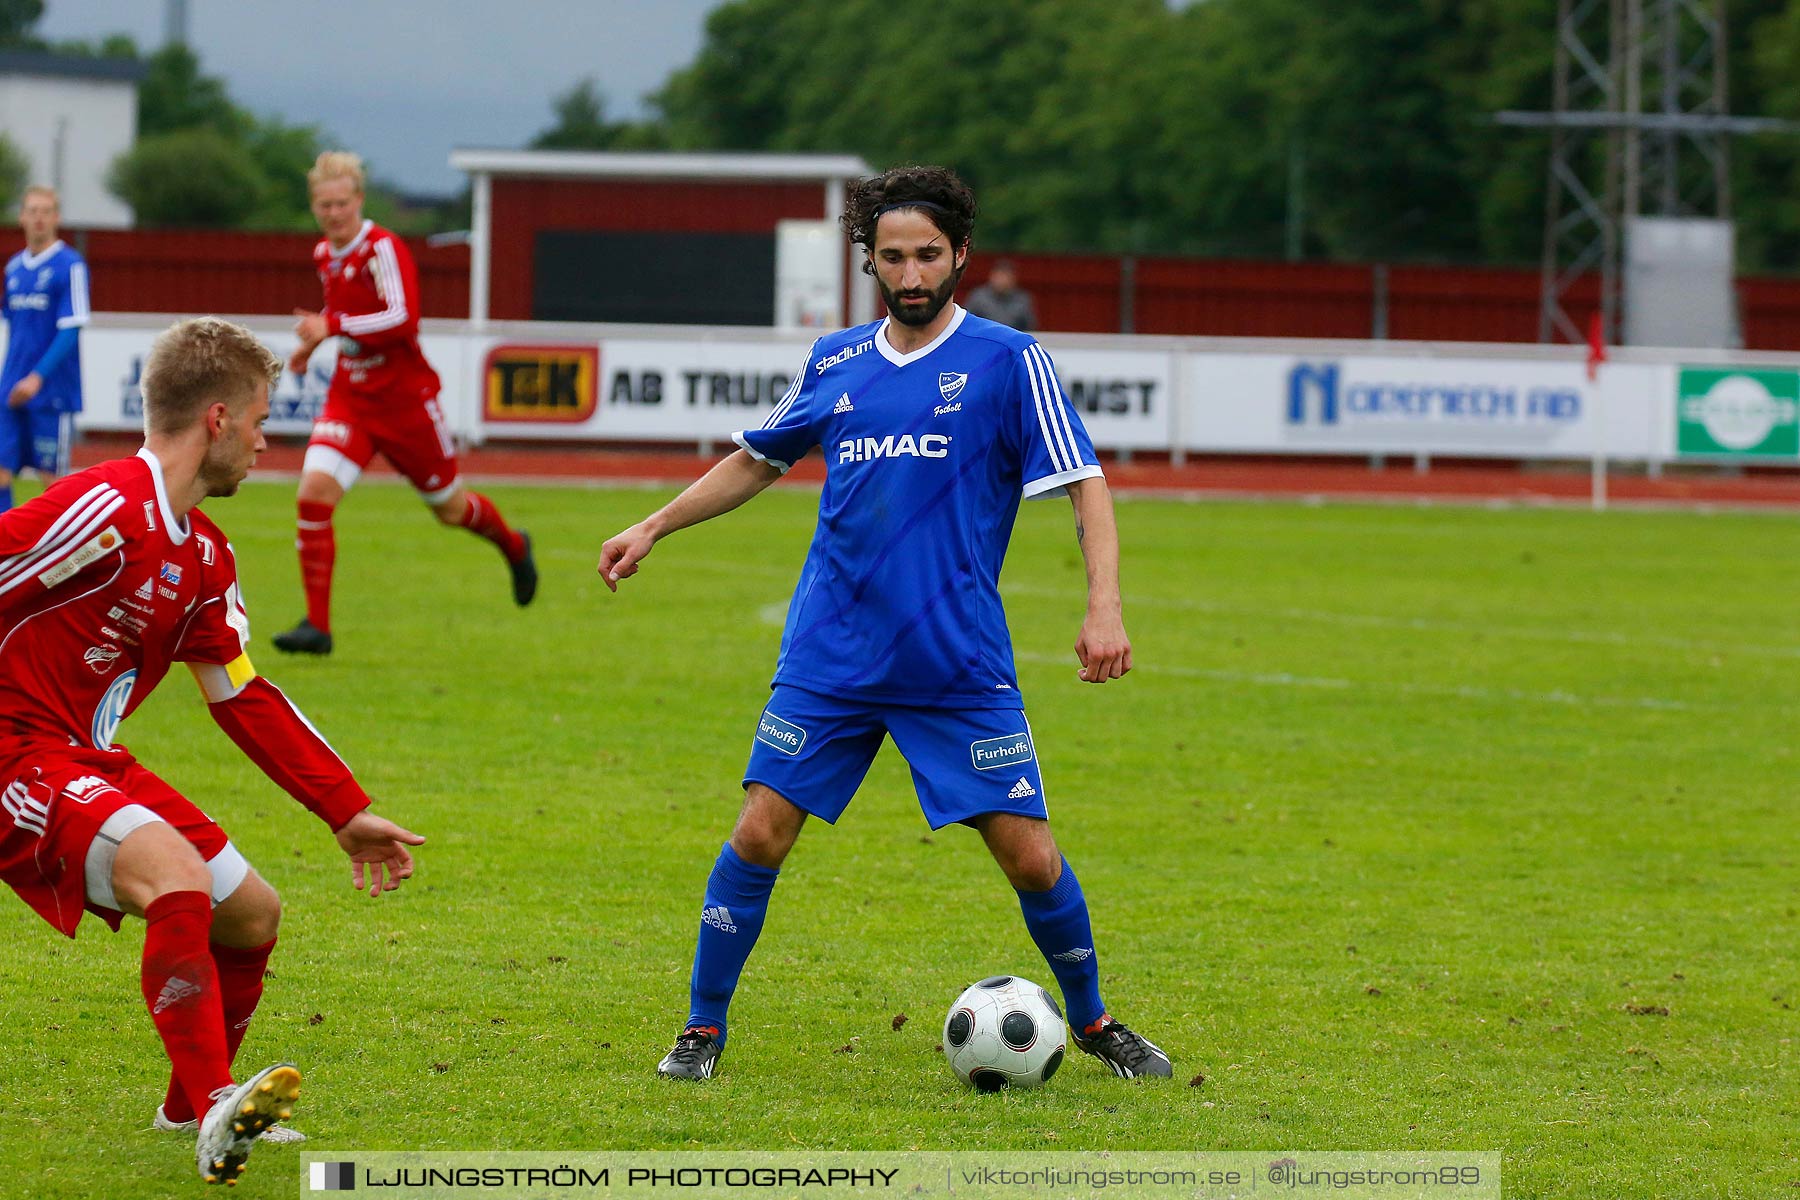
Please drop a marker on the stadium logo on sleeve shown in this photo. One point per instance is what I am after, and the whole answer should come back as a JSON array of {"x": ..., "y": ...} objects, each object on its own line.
[
  {"x": 541, "y": 384},
  {"x": 844, "y": 355},
  {"x": 992, "y": 753},
  {"x": 785, "y": 736}
]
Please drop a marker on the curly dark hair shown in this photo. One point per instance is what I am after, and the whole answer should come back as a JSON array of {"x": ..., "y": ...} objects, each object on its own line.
[{"x": 936, "y": 191}]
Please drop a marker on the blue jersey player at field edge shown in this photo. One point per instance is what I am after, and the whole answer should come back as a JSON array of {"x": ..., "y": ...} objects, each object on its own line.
[
  {"x": 40, "y": 384},
  {"x": 934, "y": 424}
]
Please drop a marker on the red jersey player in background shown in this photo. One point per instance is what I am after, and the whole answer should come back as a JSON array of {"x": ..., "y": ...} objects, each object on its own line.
[
  {"x": 383, "y": 397},
  {"x": 107, "y": 579}
]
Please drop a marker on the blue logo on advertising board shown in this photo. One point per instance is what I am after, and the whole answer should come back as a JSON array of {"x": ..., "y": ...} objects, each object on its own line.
[{"x": 1318, "y": 395}]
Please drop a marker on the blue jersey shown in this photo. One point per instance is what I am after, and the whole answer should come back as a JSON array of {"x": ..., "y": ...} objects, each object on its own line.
[
  {"x": 46, "y": 293},
  {"x": 927, "y": 456}
]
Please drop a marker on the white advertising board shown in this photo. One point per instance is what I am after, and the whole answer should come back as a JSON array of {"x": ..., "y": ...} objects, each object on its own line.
[{"x": 592, "y": 383}]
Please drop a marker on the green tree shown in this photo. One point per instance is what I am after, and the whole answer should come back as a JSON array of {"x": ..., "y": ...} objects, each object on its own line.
[
  {"x": 580, "y": 121},
  {"x": 15, "y": 170},
  {"x": 17, "y": 19},
  {"x": 189, "y": 178},
  {"x": 174, "y": 95},
  {"x": 1136, "y": 125}
]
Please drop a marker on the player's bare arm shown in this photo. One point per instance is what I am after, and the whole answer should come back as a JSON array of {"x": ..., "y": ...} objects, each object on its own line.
[
  {"x": 715, "y": 493},
  {"x": 1102, "y": 647}
]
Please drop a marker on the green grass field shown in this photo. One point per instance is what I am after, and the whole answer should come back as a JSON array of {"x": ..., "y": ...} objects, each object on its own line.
[{"x": 1405, "y": 833}]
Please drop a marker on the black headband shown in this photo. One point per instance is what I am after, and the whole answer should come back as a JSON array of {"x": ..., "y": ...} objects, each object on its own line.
[{"x": 939, "y": 209}]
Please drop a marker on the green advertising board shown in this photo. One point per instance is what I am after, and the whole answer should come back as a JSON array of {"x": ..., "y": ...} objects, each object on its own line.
[{"x": 1732, "y": 412}]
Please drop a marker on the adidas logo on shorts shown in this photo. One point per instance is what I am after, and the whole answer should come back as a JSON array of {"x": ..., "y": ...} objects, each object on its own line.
[
  {"x": 843, "y": 405},
  {"x": 719, "y": 917},
  {"x": 1022, "y": 790}
]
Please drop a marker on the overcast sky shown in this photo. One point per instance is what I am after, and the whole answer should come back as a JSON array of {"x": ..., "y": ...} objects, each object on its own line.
[{"x": 402, "y": 83}]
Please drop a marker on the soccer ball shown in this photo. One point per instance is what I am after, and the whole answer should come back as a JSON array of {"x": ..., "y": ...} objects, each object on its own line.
[{"x": 1004, "y": 1032}]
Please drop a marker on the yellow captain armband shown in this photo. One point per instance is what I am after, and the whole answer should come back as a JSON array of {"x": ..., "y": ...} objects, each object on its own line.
[{"x": 222, "y": 683}]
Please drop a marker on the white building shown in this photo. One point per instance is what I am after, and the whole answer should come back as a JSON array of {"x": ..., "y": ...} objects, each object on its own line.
[{"x": 72, "y": 117}]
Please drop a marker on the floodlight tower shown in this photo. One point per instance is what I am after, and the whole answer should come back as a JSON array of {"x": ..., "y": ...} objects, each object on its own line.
[
  {"x": 1639, "y": 127},
  {"x": 175, "y": 23}
]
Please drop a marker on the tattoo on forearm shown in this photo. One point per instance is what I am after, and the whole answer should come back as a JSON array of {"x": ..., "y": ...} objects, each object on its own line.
[{"x": 1080, "y": 532}]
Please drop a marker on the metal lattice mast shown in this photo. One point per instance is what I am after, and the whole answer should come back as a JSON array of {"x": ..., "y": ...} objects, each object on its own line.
[
  {"x": 1581, "y": 221},
  {"x": 1640, "y": 123}
]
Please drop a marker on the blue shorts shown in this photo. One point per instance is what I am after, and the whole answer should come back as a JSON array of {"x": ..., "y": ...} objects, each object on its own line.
[
  {"x": 815, "y": 749},
  {"x": 35, "y": 436}
]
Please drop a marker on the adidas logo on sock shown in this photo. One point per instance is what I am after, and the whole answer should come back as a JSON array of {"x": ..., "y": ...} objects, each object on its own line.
[
  {"x": 174, "y": 992},
  {"x": 844, "y": 405},
  {"x": 1078, "y": 954},
  {"x": 1022, "y": 790},
  {"x": 719, "y": 917}
]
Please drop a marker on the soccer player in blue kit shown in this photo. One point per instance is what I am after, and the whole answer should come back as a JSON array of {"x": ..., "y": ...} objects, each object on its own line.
[
  {"x": 934, "y": 424},
  {"x": 40, "y": 384}
]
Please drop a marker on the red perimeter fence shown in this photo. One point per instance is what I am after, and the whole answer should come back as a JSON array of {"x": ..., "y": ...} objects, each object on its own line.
[{"x": 254, "y": 273}]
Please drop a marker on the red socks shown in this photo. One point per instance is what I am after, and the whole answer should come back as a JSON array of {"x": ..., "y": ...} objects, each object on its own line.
[
  {"x": 483, "y": 518},
  {"x": 318, "y": 554},
  {"x": 181, "y": 989},
  {"x": 240, "y": 988}
]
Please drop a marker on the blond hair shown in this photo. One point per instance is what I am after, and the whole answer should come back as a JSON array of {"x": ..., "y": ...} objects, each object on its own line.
[
  {"x": 41, "y": 189},
  {"x": 336, "y": 164},
  {"x": 199, "y": 362}
]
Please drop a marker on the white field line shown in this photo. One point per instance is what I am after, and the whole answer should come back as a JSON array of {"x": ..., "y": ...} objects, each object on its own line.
[
  {"x": 776, "y": 614},
  {"x": 1589, "y": 637},
  {"x": 1441, "y": 691}
]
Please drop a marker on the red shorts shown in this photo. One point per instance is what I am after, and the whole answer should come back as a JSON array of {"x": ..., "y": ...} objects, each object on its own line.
[
  {"x": 56, "y": 800},
  {"x": 407, "y": 431}
]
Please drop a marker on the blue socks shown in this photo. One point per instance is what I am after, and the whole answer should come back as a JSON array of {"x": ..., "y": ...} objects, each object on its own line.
[
  {"x": 1058, "y": 923},
  {"x": 6, "y": 500},
  {"x": 731, "y": 917}
]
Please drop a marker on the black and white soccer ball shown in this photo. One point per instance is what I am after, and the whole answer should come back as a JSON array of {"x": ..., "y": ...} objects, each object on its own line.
[{"x": 1004, "y": 1032}]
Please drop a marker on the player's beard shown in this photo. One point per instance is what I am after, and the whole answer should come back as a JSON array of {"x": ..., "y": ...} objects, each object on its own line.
[
  {"x": 221, "y": 474},
  {"x": 923, "y": 314}
]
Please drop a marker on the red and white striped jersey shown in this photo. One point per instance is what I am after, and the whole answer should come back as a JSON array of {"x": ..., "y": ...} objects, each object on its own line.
[
  {"x": 372, "y": 304},
  {"x": 101, "y": 590}
]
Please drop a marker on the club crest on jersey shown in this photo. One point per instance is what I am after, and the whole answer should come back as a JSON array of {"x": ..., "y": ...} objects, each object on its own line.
[
  {"x": 43, "y": 276},
  {"x": 101, "y": 658},
  {"x": 950, "y": 383},
  {"x": 867, "y": 449}
]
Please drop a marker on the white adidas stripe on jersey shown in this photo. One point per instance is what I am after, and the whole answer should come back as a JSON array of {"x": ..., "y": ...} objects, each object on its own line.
[
  {"x": 83, "y": 519},
  {"x": 78, "y": 299},
  {"x": 1059, "y": 457},
  {"x": 792, "y": 394},
  {"x": 387, "y": 274},
  {"x": 1059, "y": 403}
]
